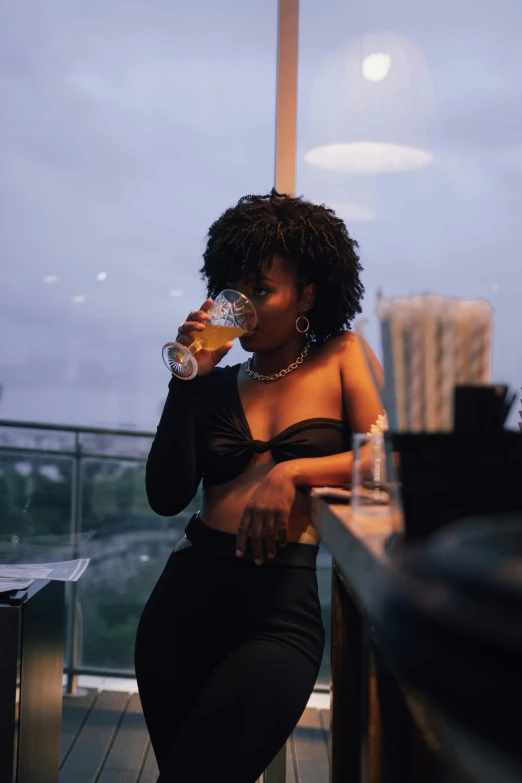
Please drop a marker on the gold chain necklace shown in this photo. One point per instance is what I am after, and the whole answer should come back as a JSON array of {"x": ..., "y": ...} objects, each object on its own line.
[{"x": 281, "y": 374}]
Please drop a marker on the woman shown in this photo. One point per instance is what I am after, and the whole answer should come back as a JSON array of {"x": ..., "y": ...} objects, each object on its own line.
[{"x": 230, "y": 642}]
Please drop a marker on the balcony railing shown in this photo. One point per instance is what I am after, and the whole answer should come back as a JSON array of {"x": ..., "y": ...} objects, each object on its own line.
[{"x": 68, "y": 492}]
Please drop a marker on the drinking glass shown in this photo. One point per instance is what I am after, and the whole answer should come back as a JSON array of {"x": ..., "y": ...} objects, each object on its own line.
[
  {"x": 231, "y": 315},
  {"x": 375, "y": 492}
]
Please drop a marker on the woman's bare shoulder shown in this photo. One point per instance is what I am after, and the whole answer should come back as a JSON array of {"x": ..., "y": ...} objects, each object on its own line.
[
  {"x": 339, "y": 344},
  {"x": 350, "y": 342},
  {"x": 353, "y": 354}
]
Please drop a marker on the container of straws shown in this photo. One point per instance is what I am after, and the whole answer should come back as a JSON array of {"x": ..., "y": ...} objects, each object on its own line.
[{"x": 446, "y": 419}]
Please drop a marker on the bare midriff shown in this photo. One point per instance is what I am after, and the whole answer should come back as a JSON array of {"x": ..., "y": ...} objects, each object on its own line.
[{"x": 224, "y": 504}]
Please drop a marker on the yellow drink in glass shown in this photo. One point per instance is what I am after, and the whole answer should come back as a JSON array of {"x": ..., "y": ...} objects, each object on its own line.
[
  {"x": 215, "y": 336},
  {"x": 230, "y": 316}
]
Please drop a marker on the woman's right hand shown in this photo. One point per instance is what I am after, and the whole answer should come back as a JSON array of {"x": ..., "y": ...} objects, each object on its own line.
[{"x": 194, "y": 326}]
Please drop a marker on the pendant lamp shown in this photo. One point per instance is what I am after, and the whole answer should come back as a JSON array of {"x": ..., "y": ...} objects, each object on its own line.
[{"x": 371, "y": 107}]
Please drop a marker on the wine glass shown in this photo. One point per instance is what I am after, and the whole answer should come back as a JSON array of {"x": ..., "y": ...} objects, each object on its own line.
[{"x": 231, "y": 315}]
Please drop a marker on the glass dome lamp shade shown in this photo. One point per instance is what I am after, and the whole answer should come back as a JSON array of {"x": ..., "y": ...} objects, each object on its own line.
[{"x": 370, "y": 108}]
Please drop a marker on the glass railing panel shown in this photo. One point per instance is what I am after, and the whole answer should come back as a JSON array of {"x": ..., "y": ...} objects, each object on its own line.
[
  {"x": 35, "y": 507},
  {"x": 128, "y": 546}
]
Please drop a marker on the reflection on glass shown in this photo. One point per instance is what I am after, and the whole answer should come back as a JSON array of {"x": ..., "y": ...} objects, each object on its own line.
[
  {"x": 35, "y": 506},
  {"x": 375, "y": 494},
  {"x": 375, "y": 67},
  {"x": 371, "y": 106},
  {"x": 352, "y": 212},
  {"x": 369, "y": 156}
]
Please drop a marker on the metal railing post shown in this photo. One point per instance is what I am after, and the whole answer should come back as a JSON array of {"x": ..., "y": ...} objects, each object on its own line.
[{"x": 72, "y": 630}]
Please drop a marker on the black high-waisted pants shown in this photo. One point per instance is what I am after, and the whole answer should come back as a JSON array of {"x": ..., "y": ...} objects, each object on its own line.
[{"x": 227, "y": 655}]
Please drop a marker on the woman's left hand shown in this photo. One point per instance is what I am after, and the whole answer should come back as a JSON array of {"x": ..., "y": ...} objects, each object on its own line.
[{"x": 267, "y": 513}]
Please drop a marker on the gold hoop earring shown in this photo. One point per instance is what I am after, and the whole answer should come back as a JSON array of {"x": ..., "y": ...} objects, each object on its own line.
[{"x": 302, "y": 317}]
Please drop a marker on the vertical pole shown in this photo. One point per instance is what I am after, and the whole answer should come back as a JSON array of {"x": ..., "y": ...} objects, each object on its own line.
[
  {"x": 286, "y": 135},
  {"x": 72, "y": 629},
  {"x": 285, "y": 163}
]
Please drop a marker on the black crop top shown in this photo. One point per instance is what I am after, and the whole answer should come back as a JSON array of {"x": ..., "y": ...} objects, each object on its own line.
[{"x": 203, "y": 432}]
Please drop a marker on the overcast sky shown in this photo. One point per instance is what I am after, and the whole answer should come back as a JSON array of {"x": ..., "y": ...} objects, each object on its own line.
[{"x": 127, "y": 127}]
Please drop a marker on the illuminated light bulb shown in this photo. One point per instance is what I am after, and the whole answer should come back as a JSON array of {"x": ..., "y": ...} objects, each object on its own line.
[
  {"x": 376, "y": 66},
  {"x": 371, "y": 107}
]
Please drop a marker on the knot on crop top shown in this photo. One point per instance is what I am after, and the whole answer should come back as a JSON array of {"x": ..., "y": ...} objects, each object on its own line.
[
  {"x": 260, "y": 446},
  {"x": 226, "y": 442}
]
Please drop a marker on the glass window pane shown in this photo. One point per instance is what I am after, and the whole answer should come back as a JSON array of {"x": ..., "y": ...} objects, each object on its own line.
[
  {"x": 410, "y": 128},
  {"x": 127, "y": 129},
  {"x": 35, "y": 507},
  {"x": 20, "y": 436}
]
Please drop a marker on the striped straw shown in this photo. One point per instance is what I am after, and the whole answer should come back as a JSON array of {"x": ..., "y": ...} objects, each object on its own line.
[
  {"x": 430, "y": 345},
  {"x": 384, "y": 311},
  {"x": 463, "y": 314},
  {"x": 480, "y": 343},
  {"x": 399, "y": 323},
  {"x": 448, "y": 353},
  {"x": 416, "y": 379},
  {"x": 432, "y": 306}
]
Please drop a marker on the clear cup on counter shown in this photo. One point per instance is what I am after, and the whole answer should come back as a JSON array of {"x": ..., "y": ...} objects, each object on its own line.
[{"x": 375, "y": 492}]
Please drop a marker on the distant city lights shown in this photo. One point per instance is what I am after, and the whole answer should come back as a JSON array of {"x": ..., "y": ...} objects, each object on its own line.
[{"x": 376, "y": 66}]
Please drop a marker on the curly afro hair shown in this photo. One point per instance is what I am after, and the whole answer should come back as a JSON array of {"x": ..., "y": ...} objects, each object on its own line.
[{"x": 308, "y": 236}]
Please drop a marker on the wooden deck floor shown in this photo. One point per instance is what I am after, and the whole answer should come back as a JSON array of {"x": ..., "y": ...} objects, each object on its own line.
[{"x": 104, "y": 740}]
